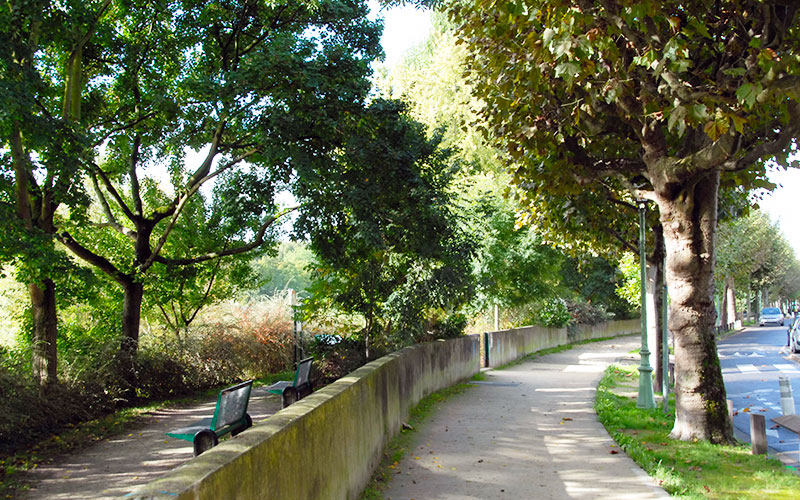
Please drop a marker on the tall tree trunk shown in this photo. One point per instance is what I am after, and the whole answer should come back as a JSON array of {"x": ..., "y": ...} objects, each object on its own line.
[
  {"x": 131, "y": 317},
  {"x": 689, "y": 217},
  {"x": 44, "y": 356},
  {"x": 730, "y": 301}
]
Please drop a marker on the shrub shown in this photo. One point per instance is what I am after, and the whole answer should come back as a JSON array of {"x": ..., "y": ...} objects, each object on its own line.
[
  {"x": 587, "y": 313},
  {"x": 335, "y": 360}
]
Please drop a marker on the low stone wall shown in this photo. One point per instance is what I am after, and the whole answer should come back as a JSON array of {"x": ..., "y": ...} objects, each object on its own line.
[
  {"x": 327, "y": 445},
  {"x": 608, "y": 329},
  {"x": 506, "y": 346}
]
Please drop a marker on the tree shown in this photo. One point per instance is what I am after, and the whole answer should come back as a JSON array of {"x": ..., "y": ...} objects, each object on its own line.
[
  {"x": 253, "y": 89},
  {"x": 387, "y": 242},
  {"x": 288, "y": 269},
  {"x": 659, "y": 99},
  {"x": 45, "y": 62}
]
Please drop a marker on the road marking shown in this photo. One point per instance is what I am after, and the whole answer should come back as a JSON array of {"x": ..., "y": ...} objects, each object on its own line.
[
  {"x": 746, "y": 368},
  {"x": 787, "y": 368}
]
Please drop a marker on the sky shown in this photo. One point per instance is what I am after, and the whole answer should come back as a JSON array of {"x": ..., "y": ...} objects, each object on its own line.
[
  {"x": 782, "y": 205},
  {"x": 403, "y": 27}
]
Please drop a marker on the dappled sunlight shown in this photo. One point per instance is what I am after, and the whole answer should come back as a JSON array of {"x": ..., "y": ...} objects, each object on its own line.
[{"x": 112, "y": 468}]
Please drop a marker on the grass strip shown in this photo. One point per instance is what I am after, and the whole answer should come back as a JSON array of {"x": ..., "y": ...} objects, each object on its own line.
[
  {"x": 396, "y": 448},
  {"x": 689, "y": 470}
]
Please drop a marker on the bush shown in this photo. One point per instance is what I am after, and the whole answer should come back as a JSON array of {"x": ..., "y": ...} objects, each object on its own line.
[
  {"x": 552, "y": 313},
  {"x": 582, "y": 312},
  {"x": 335, "y": 360},
  {"x": 30, "y": 415}
]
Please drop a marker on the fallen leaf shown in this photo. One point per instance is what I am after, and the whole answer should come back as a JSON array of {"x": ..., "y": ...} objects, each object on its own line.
[
  {"x": 613, "y": 452},
  {"x": 566, "y": 418}
]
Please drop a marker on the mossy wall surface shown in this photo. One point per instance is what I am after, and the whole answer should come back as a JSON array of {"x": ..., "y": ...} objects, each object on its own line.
[
  {"x": 608, "y": 329},
  {"x": 326, "y": 445},
  {"x": 506, "y": 346}
]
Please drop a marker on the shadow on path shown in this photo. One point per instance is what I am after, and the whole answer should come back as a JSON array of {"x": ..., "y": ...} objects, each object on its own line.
[{"x": 113, "y": 467}]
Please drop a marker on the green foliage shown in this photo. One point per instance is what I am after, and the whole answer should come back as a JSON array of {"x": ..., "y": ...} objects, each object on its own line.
[
  {"x": 289, "y": 269},
  {"x": 631, "y": 287},
  {"x": 386, "y": 238},
  {"x": 553, "y": 313}
]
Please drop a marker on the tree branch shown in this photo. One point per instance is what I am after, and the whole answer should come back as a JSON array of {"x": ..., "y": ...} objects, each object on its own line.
[
  {"x": 92, "y": 258},
  {"x": 258, "y": 241},
  {"x": 182, "y": 200}
]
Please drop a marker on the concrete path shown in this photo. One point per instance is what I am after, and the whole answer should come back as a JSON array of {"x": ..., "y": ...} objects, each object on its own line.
[
  {"x": 113, "y": 467},
  {"x": 527, "y": 432}
]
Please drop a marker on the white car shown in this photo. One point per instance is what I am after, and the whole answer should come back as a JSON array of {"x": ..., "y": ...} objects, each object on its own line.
[
  {"x": 794, "y": 335},
  {"x": 770, "y": 315}
]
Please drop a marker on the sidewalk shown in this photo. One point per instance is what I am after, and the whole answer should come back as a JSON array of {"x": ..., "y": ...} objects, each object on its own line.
[
  {"x": 528, "y": 431},
  {"x": 111, "y": 468}
]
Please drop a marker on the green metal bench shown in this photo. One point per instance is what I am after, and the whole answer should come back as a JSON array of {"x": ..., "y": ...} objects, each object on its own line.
[
  {"x": 230, "y": 416},
  {"x": 300, "y": 387}
]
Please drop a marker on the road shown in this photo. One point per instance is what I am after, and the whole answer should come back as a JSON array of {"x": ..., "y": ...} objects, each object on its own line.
[{"x": 751, "y": 363}]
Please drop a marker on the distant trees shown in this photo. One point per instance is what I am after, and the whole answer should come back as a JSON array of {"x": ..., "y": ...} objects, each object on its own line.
[
  {"x": 754, "y": 256},
  {"x": 515, "y": 264}
]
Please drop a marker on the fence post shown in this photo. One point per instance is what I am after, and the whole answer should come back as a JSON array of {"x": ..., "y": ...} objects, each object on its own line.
[
  {"x": 486, "y": 349},
  {"x": 758, "y": 434}
]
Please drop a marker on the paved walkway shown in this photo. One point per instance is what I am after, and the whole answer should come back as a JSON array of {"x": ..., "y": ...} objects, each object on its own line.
[
  {"x": 111, "y": 468},
  {"x": 527, "y": 432}
]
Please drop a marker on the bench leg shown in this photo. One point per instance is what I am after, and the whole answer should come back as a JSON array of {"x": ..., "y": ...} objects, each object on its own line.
[
  {"x": 248, "y": 423},
  {"x": 204, "y": 441},
  {"x": 289, "y": 396}
]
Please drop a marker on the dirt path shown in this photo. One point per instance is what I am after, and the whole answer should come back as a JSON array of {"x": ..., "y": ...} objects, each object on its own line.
[{"x": 113, "y": 467}]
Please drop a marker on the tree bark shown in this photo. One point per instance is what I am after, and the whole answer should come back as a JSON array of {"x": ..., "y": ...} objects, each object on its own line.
[
  {"x": 131, "y": 318},
  {"x": 689, "y": 217},
  {"x": 728, "y": 309},
  {"x": 44, "y": 356}
]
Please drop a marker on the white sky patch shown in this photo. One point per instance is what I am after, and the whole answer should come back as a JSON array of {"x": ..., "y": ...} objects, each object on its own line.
[
  {"x": 403, "y": 27},
  {"x": 783, "y": 204}
]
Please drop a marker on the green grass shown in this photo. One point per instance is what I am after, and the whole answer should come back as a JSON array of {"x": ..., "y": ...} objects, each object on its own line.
[
  {"x": 689, "y": 470},
  {"x": 397, "y": 447}
]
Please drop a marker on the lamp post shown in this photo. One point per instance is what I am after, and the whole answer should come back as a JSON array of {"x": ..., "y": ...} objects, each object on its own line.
[
  {"x": 665, "y": 342},
  {"x": 646, "y": 398}
]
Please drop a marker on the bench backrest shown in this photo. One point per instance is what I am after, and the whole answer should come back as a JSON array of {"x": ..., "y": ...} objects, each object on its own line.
[
  {"x": 231, "y": 405},
  {"x": 303, "y": 372}
]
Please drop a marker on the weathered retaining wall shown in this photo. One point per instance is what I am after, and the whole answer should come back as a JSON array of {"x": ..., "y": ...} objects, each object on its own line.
[
  {"x": 326, "y": 445},
  {"x": 609, "y": 329},
  {"x": 506, "y": 346}
]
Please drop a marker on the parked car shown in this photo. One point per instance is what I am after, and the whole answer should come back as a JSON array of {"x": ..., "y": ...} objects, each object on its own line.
[
  {"x": 793, "y": 334},
  {"x": 770, "y": 315}
]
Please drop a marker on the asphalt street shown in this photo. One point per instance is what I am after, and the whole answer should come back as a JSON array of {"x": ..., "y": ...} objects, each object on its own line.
[{"x": 752, "y": 361}]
